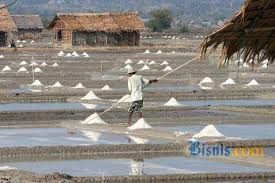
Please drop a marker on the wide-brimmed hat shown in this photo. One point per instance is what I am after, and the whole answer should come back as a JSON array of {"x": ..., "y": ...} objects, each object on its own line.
[{"x": 131, "y": 71}]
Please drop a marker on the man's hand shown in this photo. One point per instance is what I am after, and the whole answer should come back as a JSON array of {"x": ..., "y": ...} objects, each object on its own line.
[{"x": 153, "y": 81}]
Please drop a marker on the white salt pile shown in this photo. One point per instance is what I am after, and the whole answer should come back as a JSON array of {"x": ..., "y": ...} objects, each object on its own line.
[
  {"x": 145, "y": 67},
  {"x": 55, "y": 65},
  {"x": 61, "y": 53},
  {"x": 245, "y": 65},
  {"x": 140, "y": 124},
  {"x": 21, "y": 46},
  {"x": 152, "y": 62},
  {"x": 37, "y": 70},
  {"x": 173, "y": 52},
  {"x": 18, "y": 41},
  {"x": 172, "y": 103},
  {"x": 32, "y": 41},
  {"x": 79, "y": 86},
  {"x": 22, "y": 69},
  {"x": 90, "y": 96},
  {"x": 128, "y": 61},
  {"x": 75, "y": 54},
  {"x": 7, "y": 168},
  {"x": 147, "y": 51},
  {"x": 57, "y": 85},
  {"x": 164, "y": 63},
  {"x": 93, "y": 119},
  {"x": 141, "y": 62},
  {"x": 168, "y": 68},
  {"x": 85, "y": 55},
  {"x": 37, "y": 83},
  {"x": 24, "y": 41},
  {"x": 94, "y": 136},
  {"x": 23, "y": 63},
  {"x": 125, "y": 99},
  {"x": 253, "y": 83},
  {"x": 127, "y": 67},
  {"x": 265, "y": 61},
  {"x": 68, "y": 55},
  {"x": 6, "y": 69},
  {"x": 206, "y": 80},
  {"x": 159, "y": 52},
  {"x": 34, "y": 64},
  {"x": 138, "y": 140},
  {"x": 209, "y": 131},
  {"x": 106, "y": 88},
  {"x": 229, "y": 81},
  {"x": 265, "y": 66},
  {"x": 44, "y": 64},
  {"x": 2, "y": 56}
]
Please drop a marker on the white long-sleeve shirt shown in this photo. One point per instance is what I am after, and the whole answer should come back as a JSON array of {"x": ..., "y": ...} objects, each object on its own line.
[{"x": 135, "y": 86}]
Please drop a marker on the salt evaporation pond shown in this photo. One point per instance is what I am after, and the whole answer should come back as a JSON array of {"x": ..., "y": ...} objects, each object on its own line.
[
  {"x": 253, "y": 131},
  {"x": 234, "y": 102},
  {"x": 30, "y": 137},
  {"x": 120, "y": 167},
  {"x": 48, "y": 106}
]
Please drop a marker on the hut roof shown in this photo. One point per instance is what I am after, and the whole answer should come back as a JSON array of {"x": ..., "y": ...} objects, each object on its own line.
[
  {"x": 250, "y": 33},
  {"x": 6, "y": 22},
  {"x": 100, "y": 22},
  {"x": 28, "y": 21}
]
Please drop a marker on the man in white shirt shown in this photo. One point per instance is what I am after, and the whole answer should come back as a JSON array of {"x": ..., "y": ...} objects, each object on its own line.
[{"x": 135, "y": 86}]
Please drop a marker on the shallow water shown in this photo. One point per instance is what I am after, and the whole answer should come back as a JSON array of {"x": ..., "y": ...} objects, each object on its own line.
[
  {"x": 29, "y": 137},
  {"x": 158, "y": 166}
]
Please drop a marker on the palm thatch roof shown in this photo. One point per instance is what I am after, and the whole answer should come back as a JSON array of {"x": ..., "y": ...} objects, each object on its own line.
[
  {"x": 6, "y": 22},
  {"x": 250, "y": 33},
  {"x": 28, "y": 21},
  {"x": 100, "y": 22}
]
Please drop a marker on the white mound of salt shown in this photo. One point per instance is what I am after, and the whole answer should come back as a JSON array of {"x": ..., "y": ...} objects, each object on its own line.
[
  {"x": 141, "y": 62},
  {"x": 253, "y": 83},
  {"x": 22, "y": 69},
  {"x": 75, "y": 54},
  {"x": 265, "y": 66},
  {"x": 125, "y": 99},
  {"x": 7, "y": 168},
  {"x": 128, "y": 61},
  {"x": 106, "y": 88},
  {"x": 164, "y": 63},
  {"x": 90, "y": 96},
  {"x": 145, "y": 67},
  {"x": 32, "y": 41},
  {"x": 159, "y": 52},
  {"x": 68, "y": 55},
  {"x": 93, "y": 119},
  {"x": 24, "y": 41},
  {"x": 44, "y": 64},
  {"x": 2, "y": 56},
  {"x": 94, "y": 136},
  {"x": 57, "y": 85},
  {"x": 245, "y": 65},
  {"x": 229, "y": 81},
  {"x": 172, "y": 102},
  {"x": 206, "y": 80},
  {"x": 152, "y": 62},
  {"x": 209, "y": 131},
  {"x": 23, "y": 63},
  {"x": 6, "y": 69},
  {"x": 61, "y": 53},
  {"x": 37, "y": 83},
  {"x": 265, "y": 61},
  {"x": 168, "y": 68},
  {"x": 34, "y": 64},
  {"x": 79, "y": 86},
  {"x": 18, "y": 41},
  {"x": 173, "y": 52},
  {"x": 21, "y": 46},
  {"x": 138, "y": 140},
  {"x": 127, "y": 67},
  {"x": 37, "y": 70},
  {"x": 55, "y": 65},
  {"x": 140, "y": 124},
  {"x": 147, "y": 51}
]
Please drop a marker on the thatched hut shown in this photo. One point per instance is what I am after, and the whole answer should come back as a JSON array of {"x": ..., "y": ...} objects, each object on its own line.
[
  {"x": 94, "y": 29},
  {"x": 7, "y": 27},
  {"x": 29, "y": 26},
  {"x": 249, "y": 34}
]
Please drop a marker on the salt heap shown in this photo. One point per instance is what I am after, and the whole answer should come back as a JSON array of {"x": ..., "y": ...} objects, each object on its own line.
[
  {"x": 138, "y": 140},
  {"x": 23, "y": 63},
  {"x": 140, "y": 62},
  {"x": 229, "y": 81},
  {"x": 37, "y": 83},
  {"x": 7, "y": 168},
  {"x": 265, "y": 61},
  {"x": 245, "y": 65},
  {"x": 152, "y": 62},
  {"x": 18, "y": 41},
  {"x": 173, "y": 52},
  {"x": 206, "y": 80},
  {"x": 172, "y": 102},
  {"x": 106, "y": 88},
  {"x": 55, "y": 65},
  {"x": 44, "y": 64},
  {"x": 253, "y": 83},
  {"x": 34, "y": 64},
  {"x": 127, "y": 67},
  {"x": 90, "y": 96},
  {"x": 164, "y": 63},
  {"x": 24, "y": 41},
  {"x": 265, "y": 66},
  {"x": 85, "y": 54},
  {"x": 32, "y": 41},
  {"x": 147, "y": 51},
  {"x": 61, "y": 53},
  {"x": 37, "y": 70},
  {"x": 2, "y": 56},
  {"x": 79, "y": 86},
  {"x": 21, "y": 46},
  {"x": 140, "y": 124},
  {"x": 75, "y": 54},
  {"x": 57, "y": 85},
  {"x": 209, "y": 131},
  {"x": 22, "y": 69},
  {"x": 128, "y": 62},
  {"x": 168, "y": 68},
  {"x": 125, "y": 99},
  {"x": 145, "y": 67},
  {"x": 68, "y": 55},
  {"x": 159, "y": 52},
  {"x": 94, "y": 136},
  {"x": 6, "y": 69},
  {"x": 93, "y": 119}
]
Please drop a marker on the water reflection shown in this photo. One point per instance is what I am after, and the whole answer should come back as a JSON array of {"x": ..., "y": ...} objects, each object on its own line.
[{"x": 137, "y": 167}]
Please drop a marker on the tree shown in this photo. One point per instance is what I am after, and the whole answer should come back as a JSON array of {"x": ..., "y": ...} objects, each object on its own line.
[{"x": 160, "y": 20}]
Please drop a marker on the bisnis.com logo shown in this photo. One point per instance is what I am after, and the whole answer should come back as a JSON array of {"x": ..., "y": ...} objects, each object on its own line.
[{"x": 197, "y": 148}]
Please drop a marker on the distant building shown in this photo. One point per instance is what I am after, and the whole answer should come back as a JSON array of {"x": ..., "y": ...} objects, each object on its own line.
[
  {"x": 96, "y": 29},
  {"x": 29, "y": 26},
  {"x": 7, "y": 27}
]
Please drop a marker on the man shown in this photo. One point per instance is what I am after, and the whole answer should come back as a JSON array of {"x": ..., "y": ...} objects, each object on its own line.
[{"x": 135, "y": 86}]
